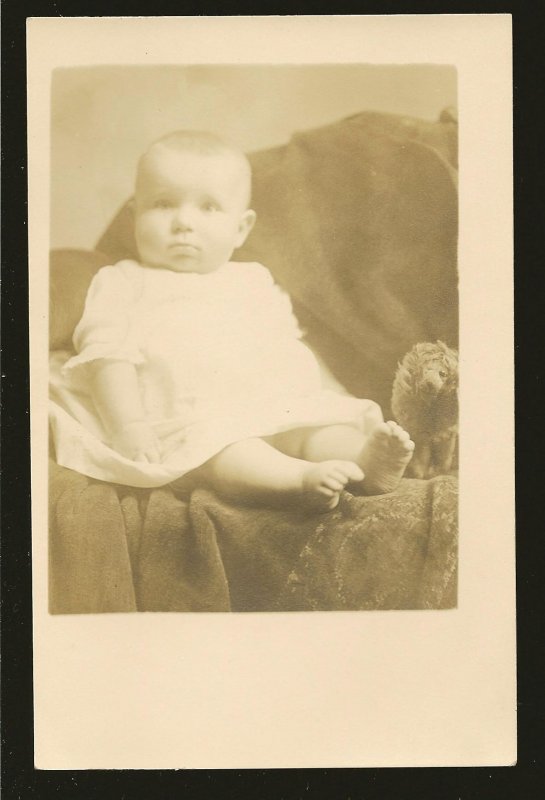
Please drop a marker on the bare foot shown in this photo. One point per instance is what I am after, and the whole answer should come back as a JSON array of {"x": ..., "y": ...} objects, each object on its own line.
[
  {"x": 324, "y": 481},
  {"x": 384, "y": 458}
]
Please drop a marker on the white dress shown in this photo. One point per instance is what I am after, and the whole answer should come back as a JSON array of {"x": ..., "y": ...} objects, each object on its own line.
[{"x": 219, "y": 358}]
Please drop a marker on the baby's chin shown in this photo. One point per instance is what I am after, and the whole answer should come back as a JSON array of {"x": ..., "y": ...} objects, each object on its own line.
[{"x": 183, "y": 265}]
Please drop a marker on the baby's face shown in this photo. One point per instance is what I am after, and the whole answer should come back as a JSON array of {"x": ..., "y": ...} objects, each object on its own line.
[{"x": 190, "y": 210}]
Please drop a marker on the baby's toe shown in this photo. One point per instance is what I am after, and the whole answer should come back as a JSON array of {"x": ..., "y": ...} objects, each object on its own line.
[
  {"x": 384, "y": 431},
  {"x": 334, "y": 483},
  {"x": 404, "y": 441},
  {"x": 344, "y": 474},
  {"x": 399, "y": 436},
  {"x": 402, "y": 447},
  {"x": 350, "y": 471}
]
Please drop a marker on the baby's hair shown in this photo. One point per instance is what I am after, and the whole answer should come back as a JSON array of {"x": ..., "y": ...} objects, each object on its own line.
[
  {"x": 201, "y": 143},
  {"x": 198, "y": 141}
]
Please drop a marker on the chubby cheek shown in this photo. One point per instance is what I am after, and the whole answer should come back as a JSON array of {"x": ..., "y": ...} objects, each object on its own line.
[
  {"x": 226, "y": 237},
  {"x": 148, "y": 235}
]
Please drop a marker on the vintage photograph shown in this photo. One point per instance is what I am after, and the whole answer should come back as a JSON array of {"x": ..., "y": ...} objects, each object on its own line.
[
  {"x": 271, "y": 347},
  {"x": 253, "y": 338}
]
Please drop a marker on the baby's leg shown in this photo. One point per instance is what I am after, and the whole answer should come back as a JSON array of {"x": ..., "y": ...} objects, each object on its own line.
[
  {"x": 383, "y": 454},
  {"x": 254, "y": 471}
]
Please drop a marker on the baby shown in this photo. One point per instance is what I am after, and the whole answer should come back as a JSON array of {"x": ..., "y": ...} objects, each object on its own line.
[{"x": 190, "y": 364}]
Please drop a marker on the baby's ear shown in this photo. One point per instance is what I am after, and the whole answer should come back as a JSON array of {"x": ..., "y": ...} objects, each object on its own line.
[
  {"x": 130, "y": 206},
  {"x": 247, "y": 222}
]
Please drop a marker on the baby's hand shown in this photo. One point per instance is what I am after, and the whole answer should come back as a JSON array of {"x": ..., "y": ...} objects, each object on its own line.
[{"x": 137, "y": 441}]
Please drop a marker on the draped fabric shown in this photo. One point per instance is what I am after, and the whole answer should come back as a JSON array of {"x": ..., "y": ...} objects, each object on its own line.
[{"x": 129, "y": 550}]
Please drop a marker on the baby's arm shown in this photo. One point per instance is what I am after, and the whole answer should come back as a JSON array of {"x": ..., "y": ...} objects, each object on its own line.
[{"x": 117, "y": 398}]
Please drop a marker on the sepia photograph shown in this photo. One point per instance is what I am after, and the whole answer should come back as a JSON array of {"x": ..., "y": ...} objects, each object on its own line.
[
  {"x": 253, "y": 338},
  {"x": 270, "y": 273}
]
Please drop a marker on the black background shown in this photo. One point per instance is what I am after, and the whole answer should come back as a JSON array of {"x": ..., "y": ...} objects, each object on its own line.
[{"x": 525, "y": 780}]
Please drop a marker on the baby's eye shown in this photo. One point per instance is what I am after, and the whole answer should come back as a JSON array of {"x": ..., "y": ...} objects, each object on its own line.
[
  {"x": 210, "y": 205},
  {"x": 162, "y": 202}
]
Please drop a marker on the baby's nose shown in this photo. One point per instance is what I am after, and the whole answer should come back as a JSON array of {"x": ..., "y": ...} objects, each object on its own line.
[{"x": 183, "y": 218}]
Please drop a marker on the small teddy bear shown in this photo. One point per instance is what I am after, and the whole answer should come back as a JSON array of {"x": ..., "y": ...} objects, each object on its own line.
[{"x": 425, "y": 403}]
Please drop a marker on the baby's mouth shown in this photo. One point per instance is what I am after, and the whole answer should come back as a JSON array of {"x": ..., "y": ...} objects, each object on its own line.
[{"x": 183, "y": 247}]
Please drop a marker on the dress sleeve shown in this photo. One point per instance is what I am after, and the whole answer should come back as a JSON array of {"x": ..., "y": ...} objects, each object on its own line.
[
  {"x": 106, "y": 327},
  {"x": 277, "y": 305}
]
